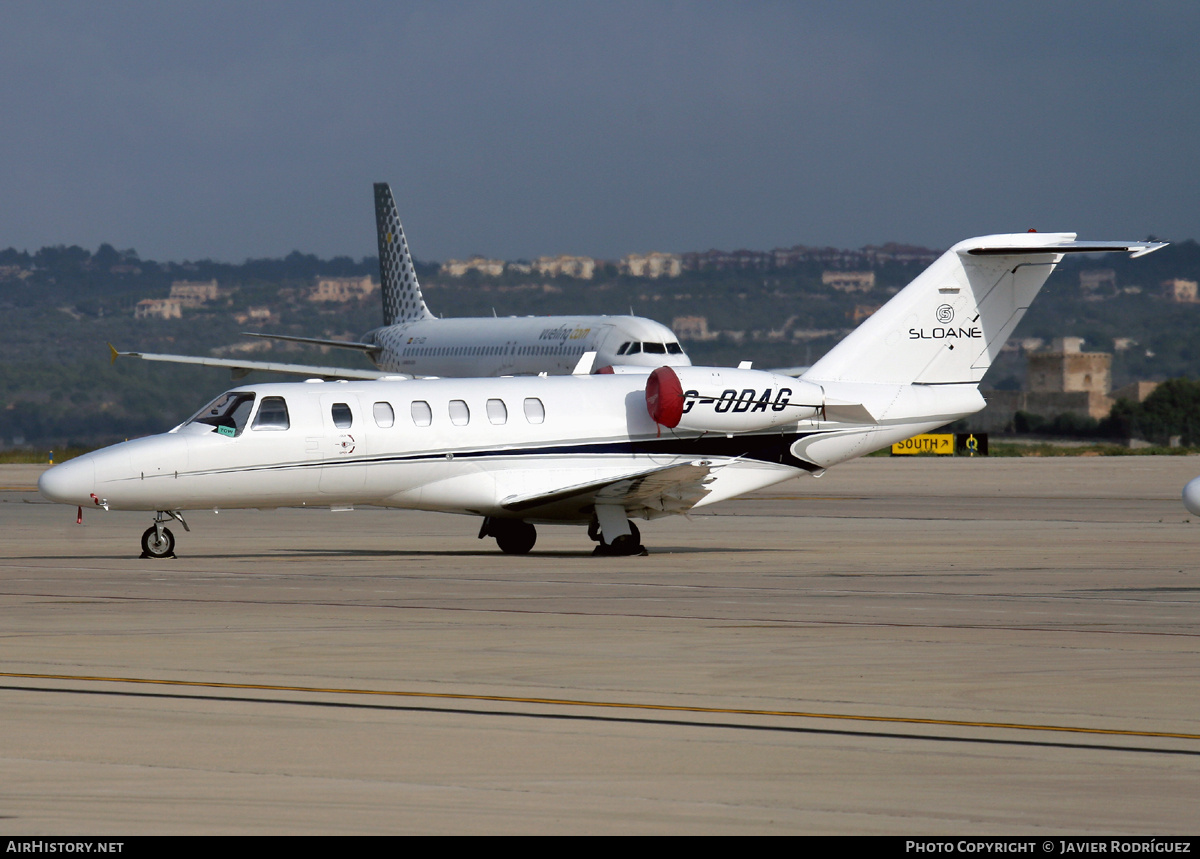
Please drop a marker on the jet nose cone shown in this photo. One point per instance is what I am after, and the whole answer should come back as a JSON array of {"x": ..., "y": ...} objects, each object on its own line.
[
  {"x": 73, "y": 482},
  {"x": 1191, "y": 497}
]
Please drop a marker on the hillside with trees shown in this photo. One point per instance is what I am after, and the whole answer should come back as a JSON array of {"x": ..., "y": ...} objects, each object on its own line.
[{"x": 62, "y": 305}]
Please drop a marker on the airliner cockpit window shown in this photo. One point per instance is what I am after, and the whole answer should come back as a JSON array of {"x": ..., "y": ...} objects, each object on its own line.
[
  {"x": 674, "y": 349},
  {"x": 272, "y": 415},
  {"x": 654, "y": 348},
  {"x": 634, "y": 349},
  {"x": 227, "y": 414}
]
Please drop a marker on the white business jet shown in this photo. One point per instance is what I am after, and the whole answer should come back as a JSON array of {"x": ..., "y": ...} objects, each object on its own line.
[
  {"x": 593, "y": 450},
  {"x": 414, "y": 342}
]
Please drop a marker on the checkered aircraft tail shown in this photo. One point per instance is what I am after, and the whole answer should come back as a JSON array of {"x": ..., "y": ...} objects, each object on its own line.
[{"x": 402, "y": 299}]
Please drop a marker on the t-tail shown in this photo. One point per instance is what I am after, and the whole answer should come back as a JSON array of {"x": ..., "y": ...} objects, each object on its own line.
[
  {"x": 402, "y": 299},
  {"x": 949, "y": 324}
]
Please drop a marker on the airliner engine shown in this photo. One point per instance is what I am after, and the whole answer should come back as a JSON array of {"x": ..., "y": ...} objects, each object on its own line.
[{"x": 719, "y": 399}]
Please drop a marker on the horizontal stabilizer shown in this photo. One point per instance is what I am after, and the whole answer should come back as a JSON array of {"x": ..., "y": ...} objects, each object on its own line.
[
  {"x": 239, "y": 369},
  {"x": 1134, "y": 249}
]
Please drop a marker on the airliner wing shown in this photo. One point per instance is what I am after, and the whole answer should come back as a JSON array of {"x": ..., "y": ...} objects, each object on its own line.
[
  {"x": 654, "y": 492},
  {"x": 369, "y": 348},
  {"x": 239, "y": 369}
]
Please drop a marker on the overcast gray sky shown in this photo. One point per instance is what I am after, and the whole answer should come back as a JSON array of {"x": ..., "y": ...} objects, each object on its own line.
[{"x": 234, "y": 130}]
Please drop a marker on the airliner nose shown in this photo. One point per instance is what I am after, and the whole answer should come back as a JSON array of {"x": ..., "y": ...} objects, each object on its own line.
[
  {"x": 69, "y": 483},
  {"x": 1191, "y": 496}
]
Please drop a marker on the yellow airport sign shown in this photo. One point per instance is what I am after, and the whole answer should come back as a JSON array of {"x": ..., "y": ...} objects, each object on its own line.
[{"x": 941, "y": 444}]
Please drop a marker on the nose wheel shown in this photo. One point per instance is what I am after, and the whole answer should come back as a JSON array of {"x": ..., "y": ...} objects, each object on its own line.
[{"x": 158, "y": 542}]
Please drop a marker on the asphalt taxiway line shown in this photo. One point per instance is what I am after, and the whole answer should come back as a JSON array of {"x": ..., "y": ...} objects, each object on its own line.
[{"x": 615, "y": 705}]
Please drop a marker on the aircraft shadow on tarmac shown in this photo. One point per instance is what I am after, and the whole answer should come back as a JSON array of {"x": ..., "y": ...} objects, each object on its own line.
[{"x": 301, "y": 554}]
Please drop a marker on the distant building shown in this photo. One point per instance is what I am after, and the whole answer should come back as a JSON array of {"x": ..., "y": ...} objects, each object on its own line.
[
  {"x": 1180, "y": 290},
  {"x": 343, "y": 289},
  {"x": 458, "y": 267},
  {"x": 862, "y": 311},
  {"x": 1063, "y": 380},
  {"x": 849, "y": 281},
  {"x": 692, "y": 328},
  {"x": 1066, "y": 368},
  {"x": 652, "y": 265},
  {"x": 727, "y": 260},
  {"x": 158, "y": 308},
  {"x": 194, "y": 293},
  {"x": 1135, "y": 391},
  {"x": 566, "y": 266},
  {"x": 254, "y": 314}
]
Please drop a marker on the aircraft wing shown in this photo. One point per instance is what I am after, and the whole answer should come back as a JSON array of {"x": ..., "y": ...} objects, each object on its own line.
[
  {"x": 369, "y": 348},
  {"x": 238, "y": 369},
  {"x": 654, "y": 492}
]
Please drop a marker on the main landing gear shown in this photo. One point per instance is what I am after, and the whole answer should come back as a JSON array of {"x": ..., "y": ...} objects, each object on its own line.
[
  {"x": 513, "y": 536},
  {"x": 516, "y": 537},
  {"x": 614, "y": 532},
  {"x": 624, "y": 544},
  {"x": 159, "y": 542}
]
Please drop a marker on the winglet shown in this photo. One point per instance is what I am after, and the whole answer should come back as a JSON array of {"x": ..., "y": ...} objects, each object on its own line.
[{"x": 114, "y": 354}]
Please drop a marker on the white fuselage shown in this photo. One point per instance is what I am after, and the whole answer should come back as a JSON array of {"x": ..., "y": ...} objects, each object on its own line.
[
  {"x": 519, "y": 345},
  {"x": 466, "y": 446}
]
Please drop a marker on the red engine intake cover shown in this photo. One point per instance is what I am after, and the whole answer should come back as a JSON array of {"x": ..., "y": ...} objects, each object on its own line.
[{"x": 664, "y": 397}]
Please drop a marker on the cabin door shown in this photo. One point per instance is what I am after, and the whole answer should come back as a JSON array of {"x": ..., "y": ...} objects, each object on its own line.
[{"x": 343, "y": 445}]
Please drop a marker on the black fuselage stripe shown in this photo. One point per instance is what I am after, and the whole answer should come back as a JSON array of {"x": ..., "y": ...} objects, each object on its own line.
[{"x": 774, "y": 449}]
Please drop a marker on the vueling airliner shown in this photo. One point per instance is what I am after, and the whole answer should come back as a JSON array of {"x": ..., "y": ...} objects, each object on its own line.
[{"x": 414, "y": 342}]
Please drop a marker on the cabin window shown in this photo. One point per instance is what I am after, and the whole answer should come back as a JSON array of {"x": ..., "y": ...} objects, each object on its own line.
[
  {"x": 496, "y": 411},
  {"x": 342, "y": 416},
  {"x": 227, "y": 414},
  {"x": 460, "y": 415},
  {"x": 272, "y": 414},
  {"x": 674, "y": 349},
  {"x": 654, "y": 348},
  {"x": 535, "y": 412},
  {"x": 422, "y": 415},
  {"x": 384, "y": 416}
]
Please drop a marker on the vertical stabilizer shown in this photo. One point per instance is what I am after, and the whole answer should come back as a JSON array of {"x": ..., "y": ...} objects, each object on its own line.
[
  {"x": 949, "y": 324},
  {"x": 402, "y": 300}
]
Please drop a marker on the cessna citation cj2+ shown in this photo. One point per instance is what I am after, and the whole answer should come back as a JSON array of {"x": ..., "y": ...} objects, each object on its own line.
[
  {"x": 593, "y": 450},
  {"x": 414, "y": 342}
]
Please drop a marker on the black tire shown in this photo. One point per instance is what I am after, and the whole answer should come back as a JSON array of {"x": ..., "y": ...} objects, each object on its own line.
[
  {"x": 153, "y": 548},
  {"x": 634, "y": 534},
  {"x": 514, "y": 538}
]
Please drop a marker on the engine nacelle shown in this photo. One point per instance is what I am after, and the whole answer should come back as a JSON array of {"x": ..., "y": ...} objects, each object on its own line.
[{"x": 721, "y": 399}]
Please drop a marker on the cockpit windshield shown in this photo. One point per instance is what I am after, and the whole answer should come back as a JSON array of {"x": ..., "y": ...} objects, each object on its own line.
[{"x": 227, "y": 414}]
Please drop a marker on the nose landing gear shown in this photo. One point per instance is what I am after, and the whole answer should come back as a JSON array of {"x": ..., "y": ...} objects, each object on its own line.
[{"x": 159, "y": 542}]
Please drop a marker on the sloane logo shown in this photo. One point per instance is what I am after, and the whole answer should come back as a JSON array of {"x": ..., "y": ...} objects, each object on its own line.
[{"x": 945, "y": 314}]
